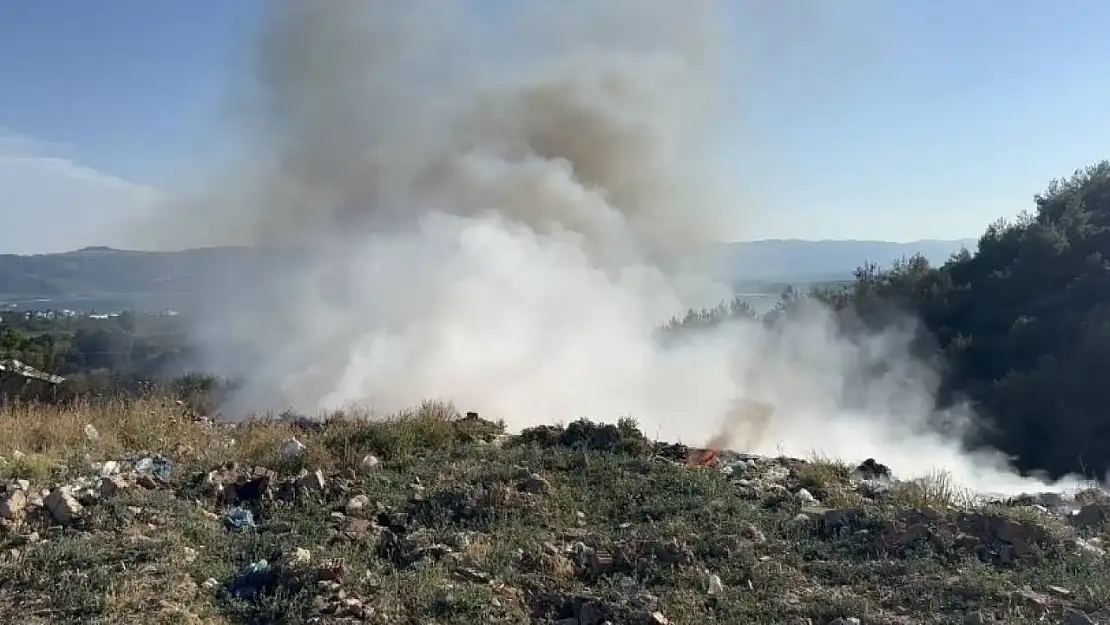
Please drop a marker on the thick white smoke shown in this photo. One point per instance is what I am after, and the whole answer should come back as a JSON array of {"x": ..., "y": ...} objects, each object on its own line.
[{"x": 499, "y": 209}]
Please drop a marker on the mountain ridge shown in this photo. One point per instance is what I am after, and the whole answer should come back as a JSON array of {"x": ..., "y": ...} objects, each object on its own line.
[{"x": 159, "y": 279}]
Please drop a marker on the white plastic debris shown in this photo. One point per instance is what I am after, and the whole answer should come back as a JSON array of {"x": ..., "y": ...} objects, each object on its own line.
[{"x": 91, "y": 434}]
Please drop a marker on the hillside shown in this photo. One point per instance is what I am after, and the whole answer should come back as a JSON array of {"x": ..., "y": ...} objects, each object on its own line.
[
  {"x": 105, "y": 278},
  {"x": 122, "y": 513}
]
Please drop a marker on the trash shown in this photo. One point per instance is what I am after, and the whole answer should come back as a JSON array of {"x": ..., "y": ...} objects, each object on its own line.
[
  {"x": 91, "y": 434},
  {"x": 253, "y": 579},
  {"x": 158, "y": 467},
  {"x": 238, "y": 518},
  {"x": 291, "y": 448}
]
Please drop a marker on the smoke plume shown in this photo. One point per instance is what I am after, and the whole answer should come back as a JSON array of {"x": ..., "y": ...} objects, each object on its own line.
[{"x": 497, "y": 204}]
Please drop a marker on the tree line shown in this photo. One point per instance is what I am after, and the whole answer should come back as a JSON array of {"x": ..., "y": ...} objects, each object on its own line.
[{"x": 1020, "y": 329}]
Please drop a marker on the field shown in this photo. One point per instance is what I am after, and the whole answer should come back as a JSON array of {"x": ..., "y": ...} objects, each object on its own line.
[{"x": 143, "y": 512}]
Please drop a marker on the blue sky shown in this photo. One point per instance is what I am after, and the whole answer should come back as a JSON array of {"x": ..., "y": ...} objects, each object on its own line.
[{"x": 892, "y": 120}]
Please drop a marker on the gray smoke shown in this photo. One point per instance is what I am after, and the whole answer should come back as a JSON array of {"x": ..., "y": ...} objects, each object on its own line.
[{"x": 497, "y": 204}]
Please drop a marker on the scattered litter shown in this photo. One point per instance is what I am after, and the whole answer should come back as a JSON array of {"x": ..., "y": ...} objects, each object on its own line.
[
  {"x": 253, "y": 579},
  {"x": 238, "y": 518},
  {"x": 151, "y": 465},
  {"x": 91, "y": 434}
]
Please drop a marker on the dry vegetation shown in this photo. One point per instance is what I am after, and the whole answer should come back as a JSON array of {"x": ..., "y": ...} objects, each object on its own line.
[{"x": 452, "y": 521}]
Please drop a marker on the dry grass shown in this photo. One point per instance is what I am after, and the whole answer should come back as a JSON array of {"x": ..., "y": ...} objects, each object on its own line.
[{"x": 612, "y": 526}]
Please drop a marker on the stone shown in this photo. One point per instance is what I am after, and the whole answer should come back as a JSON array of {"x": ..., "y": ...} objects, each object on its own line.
[
  {"x": 1033, "y": 599},
  {"x": 1088, "y": 515},
  {"x": 1059, "y": 591},
  {"x": 298, "y": 557},
  {"x": 63, "y": 506},
  {"x": 369, "y": 463},
  {"x": 870, "y": 469},
  {"x": 536, "y": 484},
  {"x": 1076, "y": 617},
  {"x": 716, "y": 587},
  {"x": 354, "y": 528},
  {"x": 357, "y": 503},
  {"x": 657, "y": 618},
  {"x": 112, "y": 485},
  {"x": 472, "y": 575},
  {"x": 291, "y": 448},
  {"x": 107, "y": 468},
  {"x": 314, "y": 481},
  {"x": 13, "y": 504}
]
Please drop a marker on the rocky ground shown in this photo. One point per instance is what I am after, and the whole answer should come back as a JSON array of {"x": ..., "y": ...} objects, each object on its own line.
[{"x": 143, "y": 513}]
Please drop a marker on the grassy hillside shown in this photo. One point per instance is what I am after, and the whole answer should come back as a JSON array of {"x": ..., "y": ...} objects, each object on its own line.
[{"x": 142, "y": 512}]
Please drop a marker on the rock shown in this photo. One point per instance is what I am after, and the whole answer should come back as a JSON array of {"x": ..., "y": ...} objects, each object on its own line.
[
  {"x": 870, "y": 469},
  {"x": 313, "y": 481},
  {"x": 369, "y": 463},
  {"x": 1088, "y": 515},
  {"x": 600, "y": 561},
  {"x": 473, "y": 575},
  {"x": 210, "y": 584},
  {"x": 12, "y": 504},
  {"x": 107, "y": 468},
  {"x": 20, "y": 484},
  {"x": 749, "y": 531},
  {"x": 298, "y": 557},
  {"x": 354, "y": 528},
  {"x": 536, "y": 484},
  {"x": 1033, "y": 599},
  {"x": 111, "y": 485},
  {"x": 801, "y": 520},
  {"x": 657, "y": 618},
  {"x": 63, "y": 506},
  {"x": 716, "y": 587},
  {"x": 805, "y": 497},
  {"x": 357, "y": 503},
  {"x": 1059, "y": 591},
  {"x": 672, "y": 552},
  {"x": 291, "y": 448},
  {"x": 1076, "y": 617}
]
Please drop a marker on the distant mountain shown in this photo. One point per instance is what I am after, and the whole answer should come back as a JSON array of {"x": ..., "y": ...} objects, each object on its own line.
[
  {"x": 794, "y": 260},
  {"x": 104, "y": 278}
]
